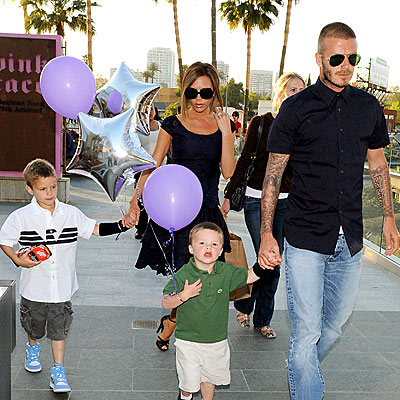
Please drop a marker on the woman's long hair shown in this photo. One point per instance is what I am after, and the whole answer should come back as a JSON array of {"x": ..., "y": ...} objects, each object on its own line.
[
  {"x": 192, "y": 73},
  {"x": 280, "y": 87}
]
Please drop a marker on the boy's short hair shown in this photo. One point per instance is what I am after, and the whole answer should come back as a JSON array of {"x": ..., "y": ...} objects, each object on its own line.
[
  {"x": 235, "y": 114},
  {"x": 206, "y": 225},
  {"x": 38, "y": 168}
]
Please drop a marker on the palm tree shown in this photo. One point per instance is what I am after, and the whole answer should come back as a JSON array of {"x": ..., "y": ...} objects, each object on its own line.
[
  {"x": 286, "y": 34},
  {"x": 24, "y": 8},
  {"x": 178, "y": 40},
  {"x": 250, "y": 14},
  {"x": 89, "y": 32},
  {"x": 49, "y": 15},
  {"x": 146, "y": 75},
  {"x": 214, "y": 33},
  {"x": 152, "y": 68}
]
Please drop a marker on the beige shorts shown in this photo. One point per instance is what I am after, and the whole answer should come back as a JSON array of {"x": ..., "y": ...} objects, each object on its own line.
[{"x": 202, "y": 362}]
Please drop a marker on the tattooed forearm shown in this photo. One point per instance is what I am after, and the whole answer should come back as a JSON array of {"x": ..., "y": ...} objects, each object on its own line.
[
  {"x": 381, "y": 181},
  {"x": 271, "y": 185}
]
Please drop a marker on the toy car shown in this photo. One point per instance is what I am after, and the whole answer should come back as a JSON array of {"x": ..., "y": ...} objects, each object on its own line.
[{"x": 36, "y": 253}]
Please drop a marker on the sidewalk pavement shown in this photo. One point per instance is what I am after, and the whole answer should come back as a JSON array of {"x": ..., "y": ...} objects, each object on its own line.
[{"x": 107, "y": 359}]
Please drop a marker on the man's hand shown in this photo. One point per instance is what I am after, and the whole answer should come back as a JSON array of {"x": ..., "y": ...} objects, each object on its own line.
[
  {"x": 192, "y": 290},
  {"x": 268, "y": 255},
  {"x": 391, "y": 236}
]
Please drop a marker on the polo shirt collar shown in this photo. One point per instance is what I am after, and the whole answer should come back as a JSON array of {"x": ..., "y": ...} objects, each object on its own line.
[
  {"x": 197, "y": 271},
  {"x": 328, "y": 94},
  {"x": 39, "y": 210}
]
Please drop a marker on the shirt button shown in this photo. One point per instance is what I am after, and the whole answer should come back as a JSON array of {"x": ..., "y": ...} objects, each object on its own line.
[
  {"x": 342, "y": 172},
  {"x": 53, "y": 277},
  {"x": 339, "y": 109},
  {"x": 341, "y": 150},
  {"x": 340, "y": 212},
  {"x": 341, "y": 129},
  {"x": 341, "y": 192}
]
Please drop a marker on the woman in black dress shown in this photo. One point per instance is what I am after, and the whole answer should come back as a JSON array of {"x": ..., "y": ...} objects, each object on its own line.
[{"x": 201, "y": 139}]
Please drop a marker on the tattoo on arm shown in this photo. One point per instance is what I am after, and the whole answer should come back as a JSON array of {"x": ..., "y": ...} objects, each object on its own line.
[
  {"x": 381, "y": 181},
  {"x": 270, "y": 192}
]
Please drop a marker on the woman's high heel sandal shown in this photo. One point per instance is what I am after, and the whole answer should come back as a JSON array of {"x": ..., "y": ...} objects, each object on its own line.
[{"x": 162, "y": 344}]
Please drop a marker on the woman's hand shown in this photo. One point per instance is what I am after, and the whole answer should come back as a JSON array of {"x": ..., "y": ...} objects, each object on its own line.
[
  {"x": 132, "y": 216},
  {"x": 223, "y": 122},
  {"x": 226, "y": 206}
]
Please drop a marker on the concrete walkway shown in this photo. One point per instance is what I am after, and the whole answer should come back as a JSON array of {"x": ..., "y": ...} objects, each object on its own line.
[{"x": 107, "y": 359}]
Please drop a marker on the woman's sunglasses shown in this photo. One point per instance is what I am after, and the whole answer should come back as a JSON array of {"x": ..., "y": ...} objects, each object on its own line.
[
  {"x": 205, "y": 93},
  {"x": 336, "y": 59}
]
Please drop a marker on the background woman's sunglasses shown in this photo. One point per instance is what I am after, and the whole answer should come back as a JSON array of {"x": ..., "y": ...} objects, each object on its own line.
[
  {"x": 205, "y": 93},
  {"x": 336, "y": 59}
]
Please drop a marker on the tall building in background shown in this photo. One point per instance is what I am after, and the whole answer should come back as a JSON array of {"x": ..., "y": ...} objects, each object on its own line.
[
  {"x": 261, "y": 82},
  {"x": 165, "y": 60},
  {"x": 223, "y": 70}
]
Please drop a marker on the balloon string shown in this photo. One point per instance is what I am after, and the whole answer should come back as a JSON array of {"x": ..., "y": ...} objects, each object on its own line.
[{"x": 171, "y": 266}]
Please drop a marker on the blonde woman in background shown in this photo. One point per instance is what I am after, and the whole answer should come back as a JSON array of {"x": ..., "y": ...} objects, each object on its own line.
[{"x": 262, "y": 300}]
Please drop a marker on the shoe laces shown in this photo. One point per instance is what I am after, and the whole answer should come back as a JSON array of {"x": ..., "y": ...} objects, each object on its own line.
[
  {"x": 59, "y": 373},
  {"x": 33, "y": 353}
]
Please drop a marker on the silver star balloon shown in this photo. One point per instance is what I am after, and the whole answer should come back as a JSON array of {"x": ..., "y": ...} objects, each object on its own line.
[
  {"x": 108, "y": 151},
  {"x": 135, "y": 94}
]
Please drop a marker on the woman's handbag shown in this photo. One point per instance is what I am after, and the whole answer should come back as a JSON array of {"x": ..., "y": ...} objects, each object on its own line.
[
  {"x": 237, "y": 199},
  {"x": 237, "y": 257}
]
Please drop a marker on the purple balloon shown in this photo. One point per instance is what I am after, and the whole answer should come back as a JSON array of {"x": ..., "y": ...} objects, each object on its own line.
[
  {"x": 114, "y": 102},
  {"x": 68, "y": 86},
  {"x": 172, "y": 196}
]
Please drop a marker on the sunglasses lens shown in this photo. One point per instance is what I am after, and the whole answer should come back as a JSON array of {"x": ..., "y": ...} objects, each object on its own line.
[
  {"x": 206, "y": 93},
  {"x": 190, "y": 93},
  {"x": 336, "y": 59},
  {"x": 354, "y": 59}
]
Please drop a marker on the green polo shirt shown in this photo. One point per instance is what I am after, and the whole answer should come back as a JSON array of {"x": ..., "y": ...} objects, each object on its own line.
[{"x": 204, "y": 318}]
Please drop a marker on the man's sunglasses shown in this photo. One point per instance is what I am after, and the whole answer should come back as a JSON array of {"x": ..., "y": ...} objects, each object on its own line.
[
  {"x": 336, "y": 59},
  {"x": 205, "y": 93}
]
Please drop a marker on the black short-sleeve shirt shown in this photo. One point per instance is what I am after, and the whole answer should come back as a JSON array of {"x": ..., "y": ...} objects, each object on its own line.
[{"x": 327, "y": 135}]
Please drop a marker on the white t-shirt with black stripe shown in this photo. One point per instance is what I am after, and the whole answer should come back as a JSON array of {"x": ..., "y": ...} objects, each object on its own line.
[{"x": 53, "y": 280}]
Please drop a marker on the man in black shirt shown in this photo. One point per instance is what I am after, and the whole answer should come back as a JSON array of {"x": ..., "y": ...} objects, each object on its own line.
[{"x": 326, "y": 131}]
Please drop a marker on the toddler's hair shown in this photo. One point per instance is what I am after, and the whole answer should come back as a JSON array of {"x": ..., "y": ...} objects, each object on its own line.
[
  {"x": 38, "y": 168},
  {"x": 206, "y": 225}
]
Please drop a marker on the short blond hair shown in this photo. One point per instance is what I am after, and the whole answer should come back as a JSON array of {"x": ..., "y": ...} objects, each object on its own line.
[
  {"x": 195, "y": 71},
  {"x": 203, "y": 226},
  {"x": 38, "y": 168},
  {"x": 280, "y": 87}
]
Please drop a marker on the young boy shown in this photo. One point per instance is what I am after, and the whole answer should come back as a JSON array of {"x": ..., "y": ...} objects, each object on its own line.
[
  {"x": 46, "y": 287},
  {"x": 202, "y": 298}
]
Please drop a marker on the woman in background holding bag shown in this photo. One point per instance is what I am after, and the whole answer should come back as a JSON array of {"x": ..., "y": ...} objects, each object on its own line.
[{"x": 263, "y": 293}]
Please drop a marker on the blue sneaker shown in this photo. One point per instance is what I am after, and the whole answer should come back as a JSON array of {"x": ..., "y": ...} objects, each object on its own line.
[
  {"x": 58, "y": 381},
  {"x": 32, "y": 362}
]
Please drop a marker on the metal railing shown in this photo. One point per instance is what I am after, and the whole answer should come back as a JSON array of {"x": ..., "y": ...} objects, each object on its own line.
[{"x": 372, "y": 212}]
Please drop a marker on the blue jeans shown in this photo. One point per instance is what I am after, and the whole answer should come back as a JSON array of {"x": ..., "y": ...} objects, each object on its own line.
[
  {"x": 263, "y": 293},
  {"x": 321, "y": 291}
]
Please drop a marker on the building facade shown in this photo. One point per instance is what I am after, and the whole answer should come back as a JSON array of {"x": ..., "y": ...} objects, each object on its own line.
[
  {"x": 261, "y": 82},
  {"x": 165, "y": 60},
  {"x": 223, "y": 70}
]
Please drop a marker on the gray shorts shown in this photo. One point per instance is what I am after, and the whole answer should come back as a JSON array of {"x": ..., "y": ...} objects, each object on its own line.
[{"x": 37, "y": 317}]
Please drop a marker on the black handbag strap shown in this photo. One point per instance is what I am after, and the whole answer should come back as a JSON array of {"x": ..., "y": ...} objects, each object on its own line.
[
  {"x": 259, "y": 133},
  {"x": 250, "y": 168}
]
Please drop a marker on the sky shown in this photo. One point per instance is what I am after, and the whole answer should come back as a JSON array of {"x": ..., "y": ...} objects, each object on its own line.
[{"x": 127, "y": 29}]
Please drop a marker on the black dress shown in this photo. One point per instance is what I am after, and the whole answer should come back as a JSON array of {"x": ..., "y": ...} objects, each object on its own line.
[{"x": 202, "y": 155}]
